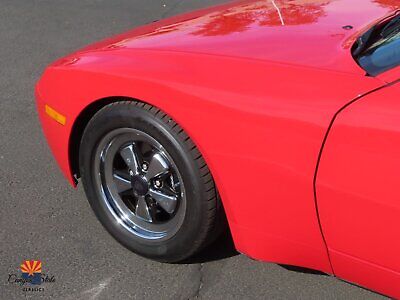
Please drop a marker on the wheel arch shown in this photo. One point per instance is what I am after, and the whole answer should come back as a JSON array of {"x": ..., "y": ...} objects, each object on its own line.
[
  {"x": 79, "y": 126},
  {"x": 81, "y": 123}
]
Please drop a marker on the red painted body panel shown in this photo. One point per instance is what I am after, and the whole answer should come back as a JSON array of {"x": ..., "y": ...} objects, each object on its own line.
[
  {"x": 268, "y": 118},
  {"x": 299, "y": 32},
  {"x": 358, "y": 191},
  {"x": 255, "y": 84}
]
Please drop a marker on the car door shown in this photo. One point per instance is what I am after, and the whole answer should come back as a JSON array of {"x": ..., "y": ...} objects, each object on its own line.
[{"x": 358, "y": 191}]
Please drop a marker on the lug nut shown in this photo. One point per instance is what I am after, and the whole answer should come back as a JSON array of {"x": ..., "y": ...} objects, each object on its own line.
[
  {"x": 157, "y": 183},
  {"x": 131, "y": 172},
  {"x": 145, "y": 167}
]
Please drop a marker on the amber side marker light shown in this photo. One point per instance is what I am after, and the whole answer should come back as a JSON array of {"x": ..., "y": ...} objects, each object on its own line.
[{"x": 56, "y": 116}]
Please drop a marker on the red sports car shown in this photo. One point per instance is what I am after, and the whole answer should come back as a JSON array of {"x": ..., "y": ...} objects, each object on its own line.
[{"x": 281, "y": 117}]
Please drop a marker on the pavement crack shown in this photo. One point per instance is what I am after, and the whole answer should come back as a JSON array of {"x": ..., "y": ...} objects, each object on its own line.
[{"x": 200, "y": 285}]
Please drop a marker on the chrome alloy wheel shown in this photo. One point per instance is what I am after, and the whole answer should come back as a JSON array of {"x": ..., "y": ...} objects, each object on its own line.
[{"x": 140, "y": 184}]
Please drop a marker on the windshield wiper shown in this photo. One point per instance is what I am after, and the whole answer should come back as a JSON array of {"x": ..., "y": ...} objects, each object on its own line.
[
  {"x": 363, "y": 41},
  {"x": 391, "y": 27}
]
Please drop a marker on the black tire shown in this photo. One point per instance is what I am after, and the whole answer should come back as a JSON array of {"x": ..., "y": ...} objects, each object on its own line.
[{"x": 204, "y": 218}]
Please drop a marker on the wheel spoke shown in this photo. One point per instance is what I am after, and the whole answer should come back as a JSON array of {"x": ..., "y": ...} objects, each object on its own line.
[
  {"x": 167, "y": 202},
  {"x": 157, "y": 166},
  {"x": 142, "y": 210},
  {"x": 130, "y": 157},
  {"x": 122, "y": 183},
  {"x": 175, "y": 185}
]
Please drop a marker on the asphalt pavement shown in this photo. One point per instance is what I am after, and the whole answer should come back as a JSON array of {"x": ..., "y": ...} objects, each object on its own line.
[{"x": 42, "y": 217}]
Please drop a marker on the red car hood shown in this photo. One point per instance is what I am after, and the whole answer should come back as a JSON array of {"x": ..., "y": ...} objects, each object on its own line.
[{"x": 309, "y": 33}]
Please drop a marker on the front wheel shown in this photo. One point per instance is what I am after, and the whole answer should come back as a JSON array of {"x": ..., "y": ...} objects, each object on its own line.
[{"x": 147, "y": 183}]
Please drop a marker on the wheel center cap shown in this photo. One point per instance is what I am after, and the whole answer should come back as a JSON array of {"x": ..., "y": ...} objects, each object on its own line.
[{"x": 139, "y": 185}]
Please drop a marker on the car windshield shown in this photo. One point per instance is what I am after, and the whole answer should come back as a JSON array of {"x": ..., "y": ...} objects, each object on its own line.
[{"x": 380, "y": 48}]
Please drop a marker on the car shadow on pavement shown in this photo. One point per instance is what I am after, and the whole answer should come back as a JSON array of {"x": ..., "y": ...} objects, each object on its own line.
[
  {"x": 302, "y": 270},
  {"x": 222, "y": 248}
]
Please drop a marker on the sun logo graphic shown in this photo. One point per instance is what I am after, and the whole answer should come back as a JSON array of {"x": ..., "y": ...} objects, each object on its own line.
[{"x": 32, "y": 271}]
